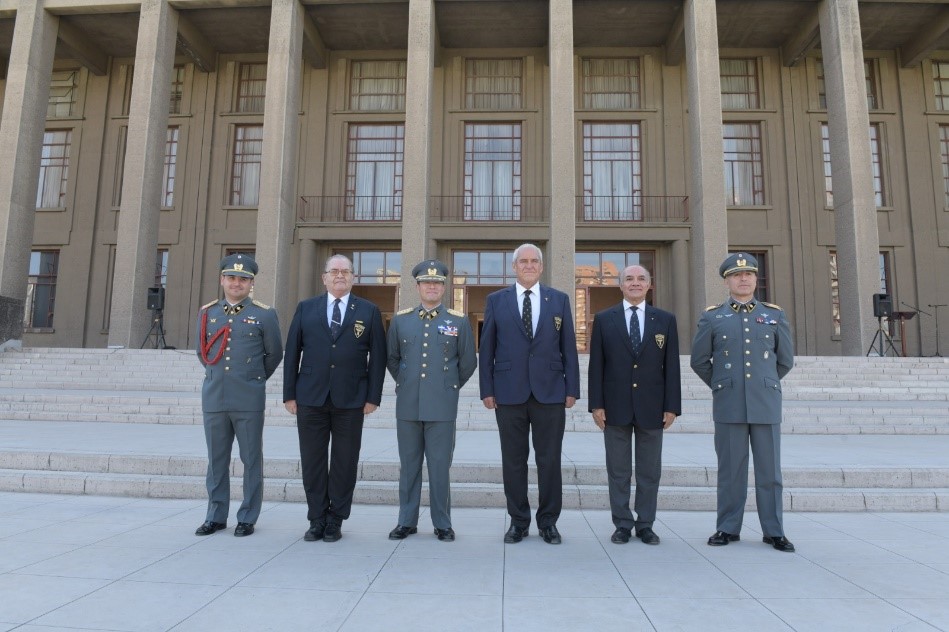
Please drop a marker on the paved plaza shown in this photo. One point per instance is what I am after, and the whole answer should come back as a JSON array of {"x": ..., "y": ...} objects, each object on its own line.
[{"x": 107, "y": 563}]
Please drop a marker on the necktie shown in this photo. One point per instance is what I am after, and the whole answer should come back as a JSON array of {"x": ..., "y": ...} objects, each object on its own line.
[
  {"x": 337, "y": 323},
  {"x": 527, "y": 314},
  {"x": 634, "y": 336}
]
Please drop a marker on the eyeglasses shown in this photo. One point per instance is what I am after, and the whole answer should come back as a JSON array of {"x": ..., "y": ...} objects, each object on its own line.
[{"x": 335, "y": 273}]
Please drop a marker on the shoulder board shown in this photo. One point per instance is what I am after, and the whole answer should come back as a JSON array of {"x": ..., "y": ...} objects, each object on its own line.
[
  {"x": 455, "y": 312},
  {"x": 407, "y": 310},
  {"x": 260, "y": 305},
  {"x": 711, "y": 307},
  {"x": 209, "y": 304},
  {"x": 772, "y": 305}
]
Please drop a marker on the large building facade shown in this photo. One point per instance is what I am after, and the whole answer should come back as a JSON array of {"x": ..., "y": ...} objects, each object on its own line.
[{"x": 141, "y": 141}]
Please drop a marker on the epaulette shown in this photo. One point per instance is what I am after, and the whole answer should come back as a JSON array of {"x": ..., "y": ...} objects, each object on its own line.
[
  {"x": 405, "y": 311},
  {"x": 711, "y": 307},
  {"x": 260, "y": 305},
  {"x": 209, "y": 304},
  {"x": 772, "y": 306},
  {"x": 455, "y": 312}
]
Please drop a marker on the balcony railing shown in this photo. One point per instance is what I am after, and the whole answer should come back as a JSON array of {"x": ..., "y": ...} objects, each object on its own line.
[
  {"x": 490, "y": 208},
  {"x": 592, "y": 209},
  {"x": 328, "y": 209}
]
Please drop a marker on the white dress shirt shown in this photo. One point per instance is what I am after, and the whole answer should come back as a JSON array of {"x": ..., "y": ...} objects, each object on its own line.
[{"x": 535, "y": 302}]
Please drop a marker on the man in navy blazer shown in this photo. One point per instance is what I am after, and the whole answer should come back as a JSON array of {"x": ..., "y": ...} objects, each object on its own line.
[
  {"x": 634, "y": 381},
  {"x": 529, "y": 373},
  {"x": 334, "y": 367}
]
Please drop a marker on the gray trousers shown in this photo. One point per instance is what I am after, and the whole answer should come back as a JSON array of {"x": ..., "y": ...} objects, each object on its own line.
[
  {"x": 619, "y": 470},
  {"x": 731, "y": 446},
  {"x": 219, "y": 432},
  {"x": 435, "y": 442}
]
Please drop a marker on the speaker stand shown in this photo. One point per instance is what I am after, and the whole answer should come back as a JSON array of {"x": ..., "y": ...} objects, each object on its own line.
[
  {"x": 157, "y": 330},
  {"x": 882, "y": 338}
]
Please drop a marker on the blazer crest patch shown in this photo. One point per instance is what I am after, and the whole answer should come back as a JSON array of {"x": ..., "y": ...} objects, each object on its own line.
[
  {"x": 558, "y": 321},
  {"x": 359, "y": 328},
  {"x": 660, "y": 340}
]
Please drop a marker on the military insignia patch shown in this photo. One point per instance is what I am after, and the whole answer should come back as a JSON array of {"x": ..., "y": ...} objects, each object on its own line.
[
  {"x": 558, "y": 321},
  {"x": 359, "y": 328},
  {"x": 660, "y": 340}
]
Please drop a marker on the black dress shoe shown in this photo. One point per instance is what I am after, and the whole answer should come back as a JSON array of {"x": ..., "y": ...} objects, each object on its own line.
[
  {"x": 243, "y": 528},
  {"x": 400, "y": 532},
  {"x": 210, "y": 527},
  {"x": 550, "y": 534},
  {"x": 621, "y": 535},
  {"x": 720, "y": 538},
  {"x": 647, "y": 535},
  {"x": 779, "y": 542},
  {"x": 516, "y": 534},
  {"x": 315, "y": 532},
  {"x": 332, "y": 532},
  {"x": 445, "y": 535}
]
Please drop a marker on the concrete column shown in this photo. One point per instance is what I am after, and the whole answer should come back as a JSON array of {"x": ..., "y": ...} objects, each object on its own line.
[
  {"x": 21, "y": 139},
  {"x": 680, "y": 292},
  {"x": 855, "y": 215},
  {"x": 137, "y": 240},
  {"x": 707, "y": 199},
  {"x": 419, "y": 83},
  {"x": 563, "y": 175},
  {"x": 279, "y": 155},
  {"x": 308, "y": 270}
]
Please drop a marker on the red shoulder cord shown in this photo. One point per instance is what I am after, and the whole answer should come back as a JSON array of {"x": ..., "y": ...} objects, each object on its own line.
[{"x": 206, "y": 347}]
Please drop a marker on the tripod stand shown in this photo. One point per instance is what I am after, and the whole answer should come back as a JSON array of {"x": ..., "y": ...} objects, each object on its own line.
[
  {"x": 880, "y": 338},
  {"x": 157, "y": 330},
  {"x": 936, "y": 320}
]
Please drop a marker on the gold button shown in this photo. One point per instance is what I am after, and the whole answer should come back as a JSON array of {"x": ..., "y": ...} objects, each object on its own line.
[
  {"x": 635, "y": 385},
  {"x": 424, "y": 344},
  {"x": 227, "y": 368},
  {"x": 332, "y": 366},
  {"x": 426, "y": 333},
  {"x": 423, "y": 375},
  {"x": 724, "y": 337},
  {"x": 746, "y": 329},
  {"x": 334, "y": 346},
  {"x": 227, "y": 357},
  {"x": 746, "y": 320},
  {"x": 426, "y": 326},
  {"x": 747, "y": 340},
  {"x": 635, "y": 366},
  {"x": 230, "y": 320},
  {"x": 227, "y": 348},
  {"x": 747, "y": 374},
  {"x": 747, "y": 363},
  {"x": 747, "y": 351},
  {"x": 424, "y": 365}
]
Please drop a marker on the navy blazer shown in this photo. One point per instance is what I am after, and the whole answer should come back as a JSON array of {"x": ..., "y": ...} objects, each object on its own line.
[
  {"x": 513, "y": 366},
  {"x": 635, "y": 389},
  {"x": 350, "y": 367}
]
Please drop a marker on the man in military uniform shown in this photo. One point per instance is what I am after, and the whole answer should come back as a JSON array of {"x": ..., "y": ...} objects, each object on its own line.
[
  {"x": 239, "y": 345},
  {"x": 431, "y": 356},
  {"x": 742, "y": 349}
]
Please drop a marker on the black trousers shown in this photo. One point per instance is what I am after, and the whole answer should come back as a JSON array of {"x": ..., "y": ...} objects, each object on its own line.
[
  {"x": 327, "y": 431},
  {"x": 515, "y": 423}
]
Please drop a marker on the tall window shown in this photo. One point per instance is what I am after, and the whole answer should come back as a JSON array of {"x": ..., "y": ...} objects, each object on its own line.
[
  {"x": 493, "y": 84},
  {"x": 744, "y": 164},
  {"x": 54, "y": 169},
  {"x": 251, "y": 87},
  {"x": 161, "y": 268},
  {"x": 177, "y": 89},
  {"x": 377, "y": 86},
  {"x": 610, "y": 84},
  {"x": 941, "y": 84},
  {"x": 168, "y": 175},
  {"x": 884, "y": 271},
  {"x": 740, "y": 86},
  {"x": 41, "y": 289},
  {"x": 376, "y": 267},
  {"x": 871, "y": 77},
  {"x": 245, "y": 165},
  {"x": 612, "y": 171},
  {"x": 762, "y": 291},
  {"x": 944, "y": 152},
  {"x": 63, "y": 89},
  {"x": 374, "y": 158},
  {"x": 876, "y": 160},
  {"x": 492, "y": 171}
]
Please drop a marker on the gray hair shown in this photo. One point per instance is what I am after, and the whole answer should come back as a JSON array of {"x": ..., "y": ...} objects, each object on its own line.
[
  {"x": 638, "y": 265},
  {"x": 326, "y": 266},
  {"x": 540, "y": 253}
]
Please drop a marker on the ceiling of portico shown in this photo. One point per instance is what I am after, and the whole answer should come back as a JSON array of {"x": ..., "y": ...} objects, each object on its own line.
[{"x": 383, "y": 25}]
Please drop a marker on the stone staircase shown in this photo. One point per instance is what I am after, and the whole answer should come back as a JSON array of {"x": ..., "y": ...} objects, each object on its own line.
[{"x": 127, "y": 422}]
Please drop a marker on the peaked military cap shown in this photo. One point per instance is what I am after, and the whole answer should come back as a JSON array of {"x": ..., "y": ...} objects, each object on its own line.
[
  {"x": 430, "y": 270},
  {"x": 738, "y": 262},
  {"x": 239, "y": 265}
]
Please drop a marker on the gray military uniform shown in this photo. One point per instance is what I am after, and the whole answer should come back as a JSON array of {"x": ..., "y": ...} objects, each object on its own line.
[
  {"x": 431, "y": 355},
  {"x": 742, "y": 351},
  {"x": 233, "y": 398}
]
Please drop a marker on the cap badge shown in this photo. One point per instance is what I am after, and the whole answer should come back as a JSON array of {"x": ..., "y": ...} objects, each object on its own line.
[{"x": 239, "y": 267}]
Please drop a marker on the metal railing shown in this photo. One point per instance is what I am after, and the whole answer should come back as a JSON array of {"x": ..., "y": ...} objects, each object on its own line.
[
  {"x": 329, "y": 209},
  {"x": 592, "y": 209},
  {"x": 490, "y": 208}
]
